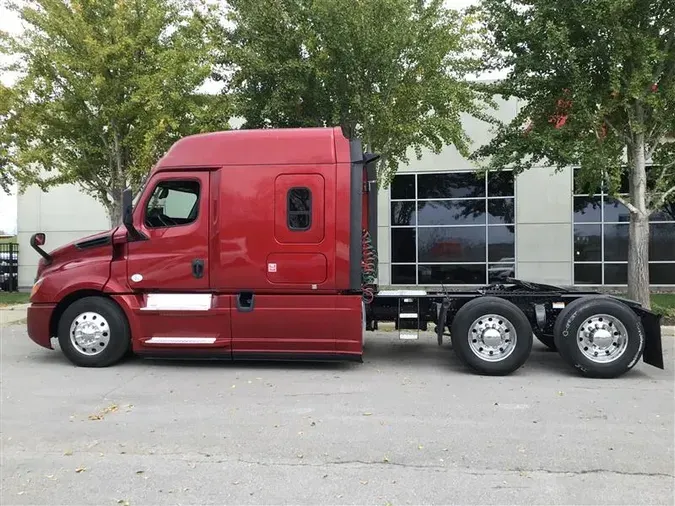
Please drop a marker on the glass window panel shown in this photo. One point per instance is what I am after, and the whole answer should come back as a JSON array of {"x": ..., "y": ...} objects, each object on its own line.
[
  {"x": 666, "y": 213},
  {"x": 501, "y": 211},
  {"x": 615, "y": 211},
  {"x": 501, "y": 244},
  {"x": 452, "y": 244},
  {"x": 403, "y": 275},
  {"x": 587, "y": 274},
  {"x": 452, "y": 212},
  {"x": 501, "y": 184},
  {"x": 616, "y": 243},
  {"x": 465, "y": 274},
  {"x": 587, "y": 243},
  {"x": 403, "y": 245},
  {"x": 403, "y": 213},
  {"x": 662, "y": 274},
  {"x": 403, "y": 187},
  {"x": 587, "y": 209},
  {"x": 616, "y": 274},
  {"x": 579, "y": 190},
  {"x": 662, "y": 242},
  {"x": 497, "y": 273},
  {"x": 450, "y": 185}
]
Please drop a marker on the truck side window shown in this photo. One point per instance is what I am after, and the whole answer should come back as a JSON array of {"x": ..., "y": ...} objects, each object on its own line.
[
  {"x": 173, "y": 203},
  {"x": 299, "y": 204}
]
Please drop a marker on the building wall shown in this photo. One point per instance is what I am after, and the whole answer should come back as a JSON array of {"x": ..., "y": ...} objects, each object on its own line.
[{"x": 63, "y": 214}]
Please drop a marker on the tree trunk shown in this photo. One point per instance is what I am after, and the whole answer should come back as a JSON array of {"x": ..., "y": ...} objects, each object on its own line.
[
  {"x": 115, "y": 207},
  {"x": 638, "y": 240}
]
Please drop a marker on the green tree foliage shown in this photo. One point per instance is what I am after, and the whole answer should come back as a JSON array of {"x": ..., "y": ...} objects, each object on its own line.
[
  {"x": 388, "y": 71},
  {"x": 104, "y": 87},
  {"x": 598, "y": 84}
]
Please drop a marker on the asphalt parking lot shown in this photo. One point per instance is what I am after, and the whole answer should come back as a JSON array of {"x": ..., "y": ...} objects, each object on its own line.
[{"x": 408, "y": 426}]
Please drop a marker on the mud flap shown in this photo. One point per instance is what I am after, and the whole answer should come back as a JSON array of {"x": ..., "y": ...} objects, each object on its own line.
[{"x": 653, "y": 352}]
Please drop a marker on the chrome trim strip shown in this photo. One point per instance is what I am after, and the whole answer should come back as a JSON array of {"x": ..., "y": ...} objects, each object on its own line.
[{"x": 181, "y": 340}]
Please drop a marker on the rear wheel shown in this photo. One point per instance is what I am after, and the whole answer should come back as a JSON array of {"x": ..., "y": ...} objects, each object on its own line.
[
  {"x": 599, "y": 336},
  {"x": 93, "y": 332},
  {"x": 491, "y": 336}
]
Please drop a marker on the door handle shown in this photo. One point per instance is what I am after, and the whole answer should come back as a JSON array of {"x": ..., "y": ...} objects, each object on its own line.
[
  {"x": 198, "y": 268},
  {"x": 245, "y": 302}
]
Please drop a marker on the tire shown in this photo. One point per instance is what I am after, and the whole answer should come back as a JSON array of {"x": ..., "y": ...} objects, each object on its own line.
[
  {"x": 614, "y": 345},
  {"x": 473, "y": 324},
  {"x": 99, "y": 330},
  {"x": 547, "y": 340}
]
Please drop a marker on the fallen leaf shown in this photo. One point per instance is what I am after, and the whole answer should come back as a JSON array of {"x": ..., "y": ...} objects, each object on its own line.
[
  {"x": 124, "y": 502},
  {"x": 80, "y": 469},
  {"x": 420, "y": 447},
  {"x": 561, "y": 393},
  {"x": 364, "y": 482},
  {"x": 299, "y": 455},
  {"x": 313, "y": 424},
  {"x": 68, "y": 453},
  {"x": 367, "y": 414},
  {"x": 234, "y": 386},
  {"x": 385, "y": 459},
  {"x": 21, "y": 493},
  {"x": 140, "y": 471}
]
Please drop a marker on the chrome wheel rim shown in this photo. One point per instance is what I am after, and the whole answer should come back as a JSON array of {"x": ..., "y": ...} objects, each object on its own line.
[
  {"x": 602, "y": 338},
  {"x": 90, "y": 333},
  {"x": 492, "y": 338}
]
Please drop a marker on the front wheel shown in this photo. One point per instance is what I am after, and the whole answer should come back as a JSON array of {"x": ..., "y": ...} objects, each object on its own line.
[
  {"x": 491, "y": 336},
  {"x": 93, "y": 332},
  {"x": 599, "y": 336}
]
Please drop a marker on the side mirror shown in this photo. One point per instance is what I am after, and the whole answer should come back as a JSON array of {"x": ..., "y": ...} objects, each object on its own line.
[
  {"x": 128, "y": 216},
  {"x": 127, "y": 208}
]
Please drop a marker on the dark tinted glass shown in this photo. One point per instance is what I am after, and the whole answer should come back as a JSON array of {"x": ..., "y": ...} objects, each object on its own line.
[
  {"x": 587, "y": 209},
  {"x": 588, "y": 274},
  {"x": 467, "y": 274},
  {"x": 501, "y": 211},
  {"x": 403, "y": 275},
  {"x": 662, "y": 274},
  {"x": 616, "y": 274},
  {"x": 452, "y": 212},
  {"x": 454, "y": 244},
  {"x": 616, "y": 243},
  {"x": 582, "y": 190},
  {"x": 501, "y": 184},
  {"x": 450, "y": 186},
  {"x": 402, "y": 245},
  {"x": 299, "y": 208},
  {"x": 403, "y": 213},
  {"x": 666, "y": 213},
  {"x": 662, "y": 242},
  {"x": 615, "y": 211},
  {"x": 587, "y": 243},
  {"x": 403, "y": 187},
  {"x": 497, "y": 273},
  {"x": 502, "y": 244}
]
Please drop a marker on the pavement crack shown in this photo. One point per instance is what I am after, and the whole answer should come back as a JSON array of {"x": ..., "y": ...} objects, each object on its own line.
[{"x": 595, "y": 471}]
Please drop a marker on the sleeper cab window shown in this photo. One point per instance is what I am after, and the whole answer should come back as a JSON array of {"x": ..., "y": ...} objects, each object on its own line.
[
  {"x": 299, "y": 208},
  {"x": 173, "y": 203}
]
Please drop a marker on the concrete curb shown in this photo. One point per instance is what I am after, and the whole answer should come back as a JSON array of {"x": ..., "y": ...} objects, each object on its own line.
[
  {"x": 13, "y": 314},
  {"x": 668, "y": 331}
]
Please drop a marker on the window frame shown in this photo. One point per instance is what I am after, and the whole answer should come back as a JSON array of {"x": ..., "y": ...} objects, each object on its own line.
[
  {"x": 154, "y": 189},
  {"x": 487, "y": 265},
  {"x": 290, "y": 213},
  {"x": 606, "y": 199}
]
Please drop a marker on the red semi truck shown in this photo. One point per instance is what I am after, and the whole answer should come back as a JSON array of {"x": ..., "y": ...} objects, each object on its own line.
[{"x": 249, "y": 244}]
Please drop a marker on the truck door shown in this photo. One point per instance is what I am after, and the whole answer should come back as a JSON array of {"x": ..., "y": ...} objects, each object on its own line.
[{"x": 174, "y": 218}]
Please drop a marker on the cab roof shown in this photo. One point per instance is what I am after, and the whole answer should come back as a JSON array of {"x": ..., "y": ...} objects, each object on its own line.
[{"x": 280, "y": 146}]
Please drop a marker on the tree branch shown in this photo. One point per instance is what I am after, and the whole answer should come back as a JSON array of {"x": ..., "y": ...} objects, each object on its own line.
[
  {"x": 630, "y": 206},
  {"x": 618, "y": 132},
  {"x": 662, "y": 200}
]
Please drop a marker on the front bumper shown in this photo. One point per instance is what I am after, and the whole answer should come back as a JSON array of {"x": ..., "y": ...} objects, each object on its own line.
[{"x": 39, "y": 316}]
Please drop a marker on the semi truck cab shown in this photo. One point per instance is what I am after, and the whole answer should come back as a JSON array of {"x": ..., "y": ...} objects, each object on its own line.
[
  {"x": 242, "y": 244},
  {"x": 258, "y": 244}
]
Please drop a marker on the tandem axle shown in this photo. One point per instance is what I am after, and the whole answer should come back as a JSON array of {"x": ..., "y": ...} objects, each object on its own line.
[{"x": 600, "y": 335}]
